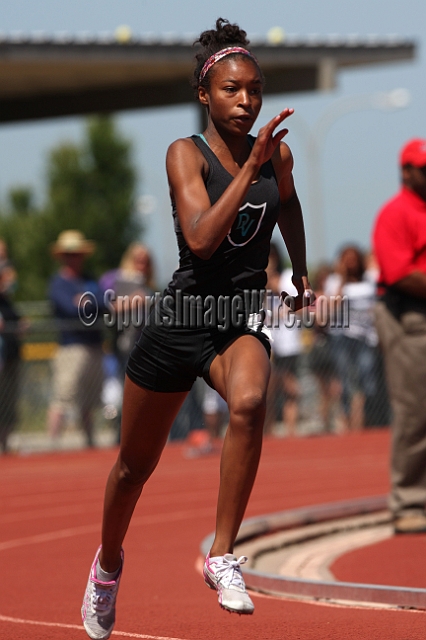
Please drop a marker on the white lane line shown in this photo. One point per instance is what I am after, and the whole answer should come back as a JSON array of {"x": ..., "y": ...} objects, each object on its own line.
[
  {"x": 96, "y": 528},
  {"x": 41, "y": 514},
  {"x": 60, "y": 625},
  {"x": 72, "y": 509},
  {"x": 48, "y": 537}
]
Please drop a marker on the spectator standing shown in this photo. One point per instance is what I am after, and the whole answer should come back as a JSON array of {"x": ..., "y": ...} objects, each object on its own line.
[
  {"x": 8, "y": 270},
  {"x": 133, "y": 284},
  {"x": 354, "y": 343},
  {"x": 399, "y": 239},
  {"x": 322, "y": 361},
  {"x": 215, "y": 412},
  {"x": 286, "y": 345},
  {"x": 9, "y": 360},
  {"x": 77, "y": 366}
]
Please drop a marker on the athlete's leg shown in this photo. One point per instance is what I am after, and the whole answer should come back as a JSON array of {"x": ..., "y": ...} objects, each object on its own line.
[
  {"x": 240, "y": 374},
  {"x": 146, "y": 422}
]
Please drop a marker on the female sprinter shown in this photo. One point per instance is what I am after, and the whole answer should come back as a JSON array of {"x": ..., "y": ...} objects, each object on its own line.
[{"x": 228, "y": 191}]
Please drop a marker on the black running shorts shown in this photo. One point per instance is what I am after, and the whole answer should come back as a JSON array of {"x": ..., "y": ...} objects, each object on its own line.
[{"x": 170, "y": 358}]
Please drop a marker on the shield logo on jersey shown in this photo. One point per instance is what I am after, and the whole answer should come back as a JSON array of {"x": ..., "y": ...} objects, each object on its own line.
[{"x": 246, "y": 224}]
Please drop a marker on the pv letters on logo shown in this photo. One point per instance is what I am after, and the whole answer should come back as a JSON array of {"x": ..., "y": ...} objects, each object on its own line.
[{"x": 246, "y": 224}]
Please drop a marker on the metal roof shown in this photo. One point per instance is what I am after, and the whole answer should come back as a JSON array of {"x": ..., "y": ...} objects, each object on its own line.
[{"x": 43, "y": 76}]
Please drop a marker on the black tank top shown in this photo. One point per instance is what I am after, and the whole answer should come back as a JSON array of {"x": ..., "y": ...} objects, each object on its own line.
[{"x": 238, "y": 264}]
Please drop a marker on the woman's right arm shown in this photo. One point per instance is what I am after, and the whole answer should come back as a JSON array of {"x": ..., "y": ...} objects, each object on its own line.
[{"x": 204, "y": 225}]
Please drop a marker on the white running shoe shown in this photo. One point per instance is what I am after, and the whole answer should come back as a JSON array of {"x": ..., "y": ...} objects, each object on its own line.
[
  {"x": 223, "y": 573},
  {"x": 98, "y": 610}
]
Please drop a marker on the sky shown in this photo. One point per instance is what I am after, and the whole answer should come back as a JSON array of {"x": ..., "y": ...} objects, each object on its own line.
[{"x": 358, "y": 157}]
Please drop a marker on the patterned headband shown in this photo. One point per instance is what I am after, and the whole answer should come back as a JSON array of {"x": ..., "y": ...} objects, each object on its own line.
[{"x": 221, "y": 54}]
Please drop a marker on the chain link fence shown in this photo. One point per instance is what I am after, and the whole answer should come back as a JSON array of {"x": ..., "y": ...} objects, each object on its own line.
[{"x": 333, "y": 384}]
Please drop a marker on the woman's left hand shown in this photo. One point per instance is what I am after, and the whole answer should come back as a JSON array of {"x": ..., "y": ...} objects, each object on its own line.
[{"x": 305, "y": 296}]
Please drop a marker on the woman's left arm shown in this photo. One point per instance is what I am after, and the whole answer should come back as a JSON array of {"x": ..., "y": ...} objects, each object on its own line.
[{"x": 291, "y": 225}]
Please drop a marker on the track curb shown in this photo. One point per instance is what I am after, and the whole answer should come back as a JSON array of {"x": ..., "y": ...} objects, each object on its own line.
[{"x": 260, "y": 528}]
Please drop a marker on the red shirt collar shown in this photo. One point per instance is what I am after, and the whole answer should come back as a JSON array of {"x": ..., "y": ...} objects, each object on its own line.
[{"x": 413, "y": 197}]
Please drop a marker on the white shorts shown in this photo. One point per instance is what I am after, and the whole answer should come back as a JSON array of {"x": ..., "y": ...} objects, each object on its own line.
[{"x": 77, "y": 376}]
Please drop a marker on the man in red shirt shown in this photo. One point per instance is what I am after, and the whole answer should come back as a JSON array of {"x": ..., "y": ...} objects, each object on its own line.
[{"x": 399, "y": 240}]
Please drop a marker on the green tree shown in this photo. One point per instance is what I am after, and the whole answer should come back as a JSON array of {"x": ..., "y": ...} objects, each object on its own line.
[
  {"x": 90, "y": 187},
  {"x": 24, "y": 228}
]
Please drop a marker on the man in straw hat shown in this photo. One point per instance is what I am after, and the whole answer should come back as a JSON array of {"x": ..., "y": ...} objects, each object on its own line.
[{"x": 77, "y": 366}]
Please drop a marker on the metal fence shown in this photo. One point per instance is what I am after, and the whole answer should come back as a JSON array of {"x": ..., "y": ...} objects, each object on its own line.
[{"x": 327, "y": 387}]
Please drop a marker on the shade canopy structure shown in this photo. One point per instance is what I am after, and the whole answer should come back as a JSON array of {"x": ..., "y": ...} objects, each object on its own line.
[{"x": 62, "y": 75}]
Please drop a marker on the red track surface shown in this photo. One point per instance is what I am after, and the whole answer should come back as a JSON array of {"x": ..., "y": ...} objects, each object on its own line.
[
  {"x": 399, "y": 561},
  {"x": 50, "y": 524}
]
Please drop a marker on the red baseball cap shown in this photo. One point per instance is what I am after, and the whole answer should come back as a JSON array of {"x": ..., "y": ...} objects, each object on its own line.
[{"x": 414, "y": 153}]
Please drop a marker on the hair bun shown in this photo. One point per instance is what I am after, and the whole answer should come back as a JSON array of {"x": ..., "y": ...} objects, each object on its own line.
[
  {"x": 213, "y": 40},
  {"x": 225, "y": 34}
]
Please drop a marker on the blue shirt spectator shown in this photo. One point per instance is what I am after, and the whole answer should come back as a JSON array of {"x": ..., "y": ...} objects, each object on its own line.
[{"x": 65, "y": 293}]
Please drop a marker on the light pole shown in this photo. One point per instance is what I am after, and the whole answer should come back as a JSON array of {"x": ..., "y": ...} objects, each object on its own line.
[{"x": 314, "y": 138}]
